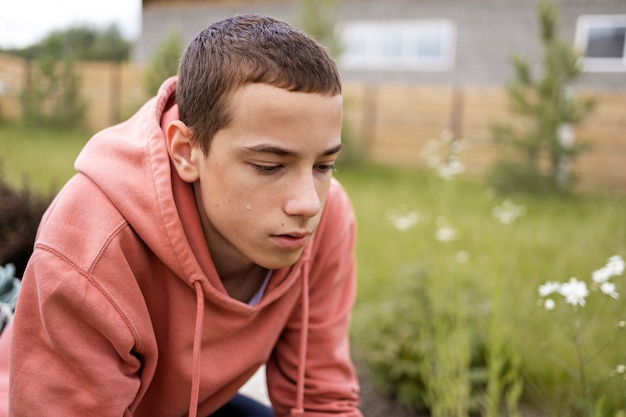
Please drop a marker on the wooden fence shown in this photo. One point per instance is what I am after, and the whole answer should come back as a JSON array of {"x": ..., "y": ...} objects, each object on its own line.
[
  {"x": 390, "y": 122},
  {"x": 393, "y": 122},
  {"x": 112, "y": 91}
]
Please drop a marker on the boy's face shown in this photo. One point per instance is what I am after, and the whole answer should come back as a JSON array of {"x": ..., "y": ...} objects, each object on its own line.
[{"x": 261, "y": 189}]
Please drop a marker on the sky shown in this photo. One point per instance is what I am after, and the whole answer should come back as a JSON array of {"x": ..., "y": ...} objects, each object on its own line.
[{"x": 25, "y": 22}]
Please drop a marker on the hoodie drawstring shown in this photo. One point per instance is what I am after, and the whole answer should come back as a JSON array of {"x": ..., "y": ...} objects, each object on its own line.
[
  {"x": 304, "y": 333},
  {"x": 197, "y": 347},
  {"x": 302, "y": 350}
]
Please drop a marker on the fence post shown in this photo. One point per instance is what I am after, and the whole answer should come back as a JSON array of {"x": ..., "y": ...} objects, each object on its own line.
[
  {"x": 370, "y": 109},
  {"x": 456, "y": 111},
  {"x": 115, "y": 95}
]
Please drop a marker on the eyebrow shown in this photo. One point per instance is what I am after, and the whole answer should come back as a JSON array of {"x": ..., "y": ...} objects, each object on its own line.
[{"x": 276, "y": 150}]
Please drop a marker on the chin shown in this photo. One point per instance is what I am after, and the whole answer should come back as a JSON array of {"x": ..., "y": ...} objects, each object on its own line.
[{"x": 280, "y": 262}]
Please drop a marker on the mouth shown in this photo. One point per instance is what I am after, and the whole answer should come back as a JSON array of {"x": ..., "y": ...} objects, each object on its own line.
[{"x": 291, "y": 241}]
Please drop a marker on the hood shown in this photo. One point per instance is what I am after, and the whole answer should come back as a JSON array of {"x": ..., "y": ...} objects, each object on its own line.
[{"x": 129, "y": 162}]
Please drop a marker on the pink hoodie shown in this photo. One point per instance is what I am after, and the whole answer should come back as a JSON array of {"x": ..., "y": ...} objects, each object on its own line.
[{"x": 122, "y": 313}]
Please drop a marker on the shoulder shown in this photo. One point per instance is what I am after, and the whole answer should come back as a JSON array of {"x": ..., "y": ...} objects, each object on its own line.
[
  {"x": 79, "y": 223},
  {"x": 87, "y": 255}
]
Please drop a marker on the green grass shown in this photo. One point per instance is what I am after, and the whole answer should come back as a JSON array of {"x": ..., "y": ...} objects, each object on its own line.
[
  {"x": 557, "y": 238},
  {"x": 44, "y": 158}
]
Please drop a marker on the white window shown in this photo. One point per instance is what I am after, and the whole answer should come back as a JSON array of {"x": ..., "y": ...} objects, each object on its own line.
[
  {"x": 417, "y": 45},
  {"x": 602, "y": 42}
]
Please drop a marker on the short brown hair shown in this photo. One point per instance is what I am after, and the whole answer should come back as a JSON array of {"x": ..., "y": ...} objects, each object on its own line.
[{"x": 241, "y": 50}]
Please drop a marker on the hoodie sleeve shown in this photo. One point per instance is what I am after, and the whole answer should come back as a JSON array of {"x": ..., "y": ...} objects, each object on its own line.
[
  {"x": 330, "y": 383},
  {"x": 72, "y": 349}
]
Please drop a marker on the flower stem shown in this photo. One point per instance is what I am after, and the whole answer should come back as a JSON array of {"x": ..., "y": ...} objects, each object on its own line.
[{"x": 582, "y": 378}]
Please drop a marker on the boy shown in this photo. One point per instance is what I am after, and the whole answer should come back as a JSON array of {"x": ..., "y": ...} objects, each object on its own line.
[{"x": 200, "y": 239}]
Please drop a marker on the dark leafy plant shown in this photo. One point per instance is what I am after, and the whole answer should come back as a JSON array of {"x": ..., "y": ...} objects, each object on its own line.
[{"x": 20, "y": 213}]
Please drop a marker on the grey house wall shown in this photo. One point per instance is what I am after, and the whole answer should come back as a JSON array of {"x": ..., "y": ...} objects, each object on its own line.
[
  {"x": 159, "y": 20},
  {"x": 488, "y": 33}
]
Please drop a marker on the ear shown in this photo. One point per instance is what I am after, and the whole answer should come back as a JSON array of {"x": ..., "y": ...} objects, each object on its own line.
[{"x": 183, "y": 153}]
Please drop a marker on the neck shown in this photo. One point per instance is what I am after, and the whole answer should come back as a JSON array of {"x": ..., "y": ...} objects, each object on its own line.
[{"x": 243, "y": 285}]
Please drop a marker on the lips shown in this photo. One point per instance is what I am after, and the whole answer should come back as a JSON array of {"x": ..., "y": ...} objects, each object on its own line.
[{"x": 291, "y": 241}]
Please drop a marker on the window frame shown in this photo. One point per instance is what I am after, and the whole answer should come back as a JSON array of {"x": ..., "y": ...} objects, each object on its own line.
[
  {"x": 595, "y": 64},
  {"x": 409, "y": 33}
]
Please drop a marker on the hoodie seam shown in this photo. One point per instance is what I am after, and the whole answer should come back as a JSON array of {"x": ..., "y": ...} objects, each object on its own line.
[
  {"x": 121, "y": 312},
  {"x": 114, "y": 233},
  {"x": 148, "y": 158}
]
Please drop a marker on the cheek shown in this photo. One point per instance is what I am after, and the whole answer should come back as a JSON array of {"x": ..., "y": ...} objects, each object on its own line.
[
  {"x": 259, "y": 202},
  {"x": 322, "y": 188},
  {"x": 234, "y": 203}
]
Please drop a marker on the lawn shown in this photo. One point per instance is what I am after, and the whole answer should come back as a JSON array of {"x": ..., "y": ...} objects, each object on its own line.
[
  {"x": 442, "y": 279},
  {"x": 448, "y": 312},
  {"x": 44, "y": 158}
]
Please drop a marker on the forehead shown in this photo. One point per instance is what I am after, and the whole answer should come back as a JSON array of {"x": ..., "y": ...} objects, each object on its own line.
[
  {"x": 266, "y": 117},
  {"x": 257, "y": 98},
  {"x": 276, "y": 112}
]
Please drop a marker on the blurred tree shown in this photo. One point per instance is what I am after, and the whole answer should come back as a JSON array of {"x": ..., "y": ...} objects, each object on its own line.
[
  {"x": 318, "y": 18},
  {"x": 164, "y": 62},
  {"x": 52, "y": 94},
  {"x": 109, "y": 45},
  {"x": 547, "y": 110},
  {"x": 81, "y": 43}
]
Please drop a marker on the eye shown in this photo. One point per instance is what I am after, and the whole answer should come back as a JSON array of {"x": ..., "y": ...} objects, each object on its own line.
[
  {"x": 325, "y": 167},
  {"x": 267, "y": 169}
]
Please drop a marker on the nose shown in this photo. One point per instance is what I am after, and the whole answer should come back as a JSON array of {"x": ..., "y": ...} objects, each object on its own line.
[{"x": 304, "y": 198}]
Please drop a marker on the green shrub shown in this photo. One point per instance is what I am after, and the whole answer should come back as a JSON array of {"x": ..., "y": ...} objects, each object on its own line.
[
  {"x": 424, "y": 346},
  {"x": 541, "y": 141},
  {"x": 508, "y": 177},
  {"x": 52, "y": 94}
]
